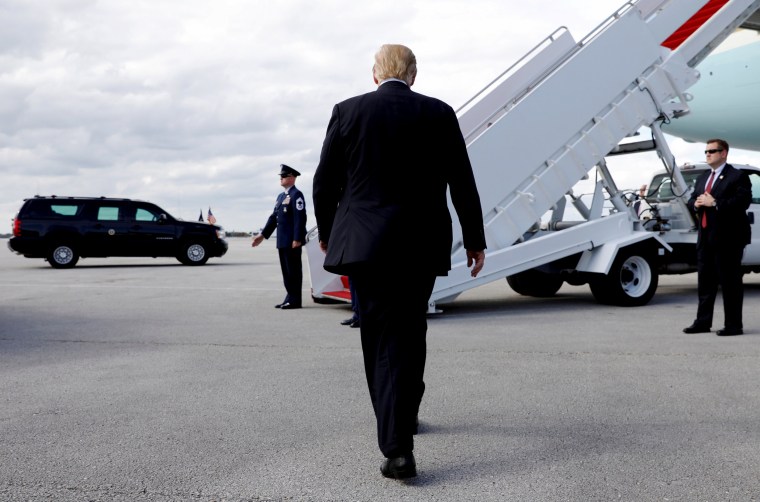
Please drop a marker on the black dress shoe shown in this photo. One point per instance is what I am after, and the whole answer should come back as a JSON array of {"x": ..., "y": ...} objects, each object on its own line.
[
  {"x": 289, "y": 306},
  {"x": 348, "y": 322},
  {"x": 729, "y": 332},
  {"x": 399, "y": 467},
  {"x": 356, "y": 324},
  {"x": 279, "y": 305},
  {"x": 696, "y": 328}
]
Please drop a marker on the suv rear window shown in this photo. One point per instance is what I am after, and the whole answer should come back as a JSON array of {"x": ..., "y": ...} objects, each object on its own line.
[
  {"x": 65, "y": 209},
  {"x": 52, "y": 209}
]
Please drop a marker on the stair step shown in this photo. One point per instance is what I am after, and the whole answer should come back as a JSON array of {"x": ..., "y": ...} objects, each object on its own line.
[{"x": 338, "y": 295}]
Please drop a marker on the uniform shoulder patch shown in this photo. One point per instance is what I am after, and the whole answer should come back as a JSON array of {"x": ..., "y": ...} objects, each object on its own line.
[{"x": 299, "y": 204}]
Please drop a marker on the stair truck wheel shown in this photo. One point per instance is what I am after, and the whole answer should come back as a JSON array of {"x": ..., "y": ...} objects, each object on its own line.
[
  {"x": 535, "y": 283},
  {"x": 631, "y": 281}
]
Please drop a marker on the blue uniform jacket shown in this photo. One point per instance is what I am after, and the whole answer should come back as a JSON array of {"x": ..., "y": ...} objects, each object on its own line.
[{"x": 289, "y": 218}]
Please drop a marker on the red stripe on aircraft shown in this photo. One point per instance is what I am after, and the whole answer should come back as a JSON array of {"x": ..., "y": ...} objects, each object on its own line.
[{"x": 693, "y": 24}]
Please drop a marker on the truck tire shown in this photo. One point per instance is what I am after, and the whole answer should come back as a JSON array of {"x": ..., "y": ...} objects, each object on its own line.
[
  {"x": 535, "y": 283},
  {"x": 62, "y": 255},
  {"x": 631, "y": 282},
  {"x": 193, "y": 253}
]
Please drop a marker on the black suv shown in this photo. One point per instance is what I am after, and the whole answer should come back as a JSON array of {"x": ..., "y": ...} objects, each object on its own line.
[{"x": 61, "y": 229}]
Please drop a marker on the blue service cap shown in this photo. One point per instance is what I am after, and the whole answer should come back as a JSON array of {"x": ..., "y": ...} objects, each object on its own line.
[{"x": 288, "y": 171}]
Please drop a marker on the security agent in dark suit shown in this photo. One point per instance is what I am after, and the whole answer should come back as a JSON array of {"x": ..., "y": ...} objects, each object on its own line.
[
  {"x": 381, "y": 208},
  {"x": 289, "y": 218},
  {"x": 720, "y": 201}
]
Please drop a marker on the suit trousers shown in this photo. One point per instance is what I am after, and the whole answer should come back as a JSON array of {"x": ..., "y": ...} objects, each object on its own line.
[
  {"x": 720, "y": 265},
  {"x": 393, "y": 308},
  {"x": 292, "y": 273}
]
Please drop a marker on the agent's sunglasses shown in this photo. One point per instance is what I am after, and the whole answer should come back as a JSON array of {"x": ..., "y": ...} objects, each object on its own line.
[{"x": 713, "y": 150}]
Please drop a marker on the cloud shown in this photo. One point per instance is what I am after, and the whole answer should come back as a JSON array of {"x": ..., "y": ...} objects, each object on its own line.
[{"x": 190, "y": 104}]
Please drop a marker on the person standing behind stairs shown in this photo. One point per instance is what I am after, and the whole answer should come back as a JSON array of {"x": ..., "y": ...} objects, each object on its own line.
[{"x": 720, "y": 201}]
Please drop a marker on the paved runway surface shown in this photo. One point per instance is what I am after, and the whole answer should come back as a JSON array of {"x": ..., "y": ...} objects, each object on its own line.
[{"x": 145, "y": 380}]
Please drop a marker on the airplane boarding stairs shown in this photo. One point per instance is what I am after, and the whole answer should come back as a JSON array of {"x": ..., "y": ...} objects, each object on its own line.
[{"x": 537, "y": 130}]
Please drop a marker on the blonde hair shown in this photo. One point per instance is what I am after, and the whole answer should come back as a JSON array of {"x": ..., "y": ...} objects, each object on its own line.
[{"x": 395, "y": 61}]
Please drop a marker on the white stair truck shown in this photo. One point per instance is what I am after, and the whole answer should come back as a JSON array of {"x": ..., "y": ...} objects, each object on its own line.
[{"x": 548, "y": 120}]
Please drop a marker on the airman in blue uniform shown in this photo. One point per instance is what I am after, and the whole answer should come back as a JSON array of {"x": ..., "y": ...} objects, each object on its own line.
[{"x": 289, "y": 218}]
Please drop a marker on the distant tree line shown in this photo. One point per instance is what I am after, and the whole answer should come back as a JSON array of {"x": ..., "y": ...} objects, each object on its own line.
[
  {"x": 228, "y": 234},
  {"x": 234, "y": 233}
]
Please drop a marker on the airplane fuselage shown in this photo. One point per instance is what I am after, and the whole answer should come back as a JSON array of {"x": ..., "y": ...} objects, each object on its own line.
[{"x": 725, "y": 101}]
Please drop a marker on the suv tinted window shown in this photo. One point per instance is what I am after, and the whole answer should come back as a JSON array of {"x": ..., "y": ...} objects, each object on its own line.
[
  {"x": 64, "y": 209},
  {"x": 108, "y": 213},
  {"x": 143, "y": 214},
  {"x": 51, "y": 209}
]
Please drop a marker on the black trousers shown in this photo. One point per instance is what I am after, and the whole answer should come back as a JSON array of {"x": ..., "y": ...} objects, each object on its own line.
[
  {"x": 393, "y": 311},
  {"x": 354, "y": 301},
  {"x": 720, "y": 265},
  {"x": 292, "y": 274}
]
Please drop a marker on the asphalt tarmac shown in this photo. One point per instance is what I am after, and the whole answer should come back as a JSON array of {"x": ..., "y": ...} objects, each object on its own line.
[{"x": 145, "y": 380}]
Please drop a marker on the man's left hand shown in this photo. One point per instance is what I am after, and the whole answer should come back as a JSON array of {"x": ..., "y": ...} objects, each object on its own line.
[{"x": 478, "y": 258}]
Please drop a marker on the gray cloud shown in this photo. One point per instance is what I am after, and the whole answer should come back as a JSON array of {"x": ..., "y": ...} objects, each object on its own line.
[{"x": 191, "y": 104}]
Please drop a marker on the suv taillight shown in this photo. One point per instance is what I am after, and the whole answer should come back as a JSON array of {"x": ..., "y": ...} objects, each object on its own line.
[{"x": 16, "y": 227}]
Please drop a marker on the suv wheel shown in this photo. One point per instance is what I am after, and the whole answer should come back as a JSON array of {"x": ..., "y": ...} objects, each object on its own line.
[
  {"x": 193, "y": 253},
  {"x": 62, "y": 255}
]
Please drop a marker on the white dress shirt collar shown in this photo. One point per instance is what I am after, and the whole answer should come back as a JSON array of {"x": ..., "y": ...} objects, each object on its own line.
[{"x": 392, "y": 79}]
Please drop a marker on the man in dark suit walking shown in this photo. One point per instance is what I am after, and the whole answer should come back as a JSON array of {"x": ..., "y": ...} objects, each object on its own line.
[
  {"x": 720, "y": 201},
  {"x": 381, "y": 207},
  {"x": 289, "y": 218}
]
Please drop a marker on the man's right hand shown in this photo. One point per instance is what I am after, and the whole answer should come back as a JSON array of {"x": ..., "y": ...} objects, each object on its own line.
[{"x": 257, "y": 240}]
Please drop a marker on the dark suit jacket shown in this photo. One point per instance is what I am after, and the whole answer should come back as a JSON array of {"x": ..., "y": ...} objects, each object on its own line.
[
  {"x": 289, "y": 218},
  {"x": 728, "y": 224},
  {"x": 380, "y": 187}
]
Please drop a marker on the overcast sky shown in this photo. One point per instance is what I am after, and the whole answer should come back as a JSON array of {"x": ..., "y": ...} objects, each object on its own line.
[{"x": 191, "y": 104}]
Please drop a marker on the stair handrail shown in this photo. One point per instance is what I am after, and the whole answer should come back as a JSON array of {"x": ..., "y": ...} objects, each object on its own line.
[
  {"x": 553, "y": 36},
  {"x": 547, "y": 40}
]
